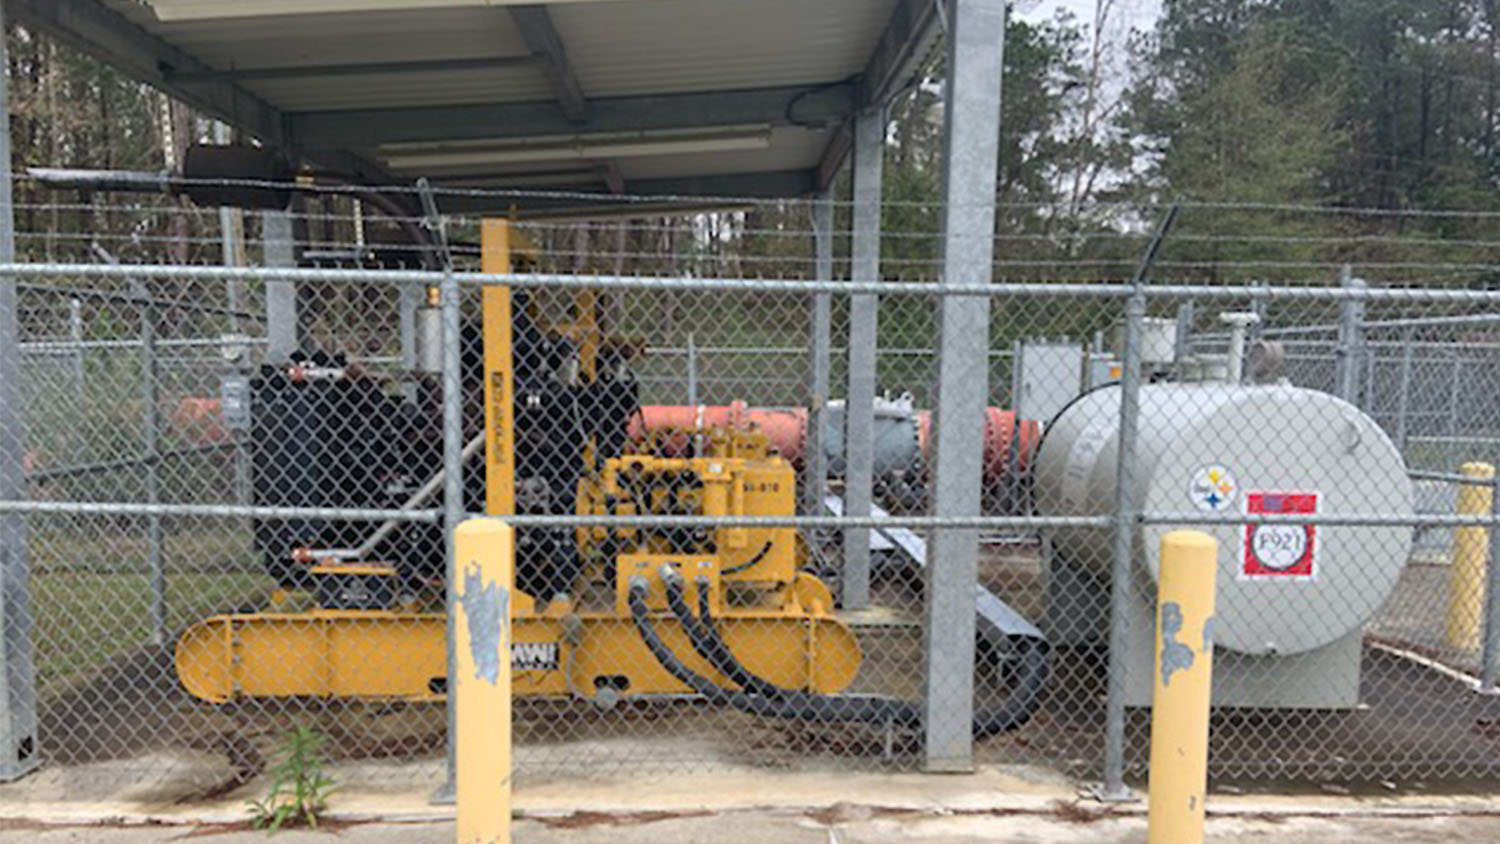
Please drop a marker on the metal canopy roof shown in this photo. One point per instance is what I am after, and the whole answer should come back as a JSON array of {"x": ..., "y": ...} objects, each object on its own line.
[{"x": 686, "y": 97}]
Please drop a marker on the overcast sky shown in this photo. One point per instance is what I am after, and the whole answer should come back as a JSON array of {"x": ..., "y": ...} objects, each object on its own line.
[{"x": 1124, "y": 14}]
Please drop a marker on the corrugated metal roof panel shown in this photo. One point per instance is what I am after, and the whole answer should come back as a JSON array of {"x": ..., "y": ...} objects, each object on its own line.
[
  {"x": 616, "y": 48},
  {"x": 398, "y": 90},
  {"x": 687, "y": 45}
]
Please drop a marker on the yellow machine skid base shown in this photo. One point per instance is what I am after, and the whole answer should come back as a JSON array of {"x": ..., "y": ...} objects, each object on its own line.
[{"x": 377, "y": 654}]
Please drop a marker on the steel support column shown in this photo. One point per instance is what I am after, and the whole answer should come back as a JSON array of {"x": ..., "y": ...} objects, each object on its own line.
[
  {"x": 1403, "y": 399},
  {"x": 859, "y": 411},
  {"x": 282, "y": 333},
  {"x": 820, "y": 332},
  {"x": 976, "y": 37},
  {"x": 1351, "y": 351},
  {"x": 18, "y": 750}
]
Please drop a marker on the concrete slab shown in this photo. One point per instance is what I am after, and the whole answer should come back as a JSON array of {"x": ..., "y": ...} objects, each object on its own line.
[{"x": 841, "y": 824}]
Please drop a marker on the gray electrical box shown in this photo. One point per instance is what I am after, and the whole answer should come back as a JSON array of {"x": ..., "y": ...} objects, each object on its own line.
[
  {"x": 1047, "y": 376},
  {"x": 234, "y": 401}
]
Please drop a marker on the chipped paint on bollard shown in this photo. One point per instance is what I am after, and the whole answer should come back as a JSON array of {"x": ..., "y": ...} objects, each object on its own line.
[
  {"x": 1180, "y": 700},
  {"x": 485, "y": 551}
]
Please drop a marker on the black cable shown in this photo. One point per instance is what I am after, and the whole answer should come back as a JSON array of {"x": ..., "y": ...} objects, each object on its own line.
[
  {"x": 707, "y": 641},
  {"x": 1018, "y": 707},
  {"x": 750, "y": 563},
  {"x": 799, "y": 706}
]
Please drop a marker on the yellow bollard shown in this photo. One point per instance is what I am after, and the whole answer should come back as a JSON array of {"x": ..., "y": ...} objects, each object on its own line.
[
  {"x": 485, "y": 551},
  {"x": 1181, "y": 687},
  {"x": 1471, "y": 549}
]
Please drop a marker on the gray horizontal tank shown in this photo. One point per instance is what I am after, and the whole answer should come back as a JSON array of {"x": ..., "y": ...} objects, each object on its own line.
[{"x": 1291, "y": 599}]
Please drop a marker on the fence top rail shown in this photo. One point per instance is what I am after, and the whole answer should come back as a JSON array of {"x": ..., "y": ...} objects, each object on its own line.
[
  {"x": 1039, "y": 289},
  {"x": 1451, "y": 477}
]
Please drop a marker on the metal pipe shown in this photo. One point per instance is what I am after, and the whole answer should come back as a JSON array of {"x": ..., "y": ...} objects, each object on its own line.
[
  {"x": 18, "y": 749},
  {"x": 1041, "y": 290},
  {"x": 453, "y": 499},
  {"x": 1449, "y": 477},
  {"x": 151, "y": 459},
  {"x": 75, "y": 336},
  {"x": 227, "y": 511},
  {"x": 74, "y": 469},
  {"x": 820, "y": 333},
  {"x": 1403, "y": 398},
  {"x": 123, "y": 296},
  {"x": 692, "y": 370},
  {"x": 1127, "y": 513},
  {"x": 418, "y": 498}
]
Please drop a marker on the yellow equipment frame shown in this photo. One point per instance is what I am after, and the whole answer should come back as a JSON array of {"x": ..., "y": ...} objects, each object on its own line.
[{"x": 790, "y": 637}]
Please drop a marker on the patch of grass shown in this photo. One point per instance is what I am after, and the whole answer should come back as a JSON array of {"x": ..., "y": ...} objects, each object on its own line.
[{"x": 81, "y": 619}]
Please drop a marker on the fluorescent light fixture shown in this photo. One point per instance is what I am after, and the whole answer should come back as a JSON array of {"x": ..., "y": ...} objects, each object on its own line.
[
  {"x": 583, "y": 148},
  {"x": 193, "y": 10}
]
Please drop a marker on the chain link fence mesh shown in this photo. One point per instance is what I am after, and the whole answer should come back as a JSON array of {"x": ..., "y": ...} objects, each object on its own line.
[{"x": 1347, "y": 649}]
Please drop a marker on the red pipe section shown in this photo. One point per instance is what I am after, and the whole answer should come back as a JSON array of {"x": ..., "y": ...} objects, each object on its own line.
[{"x": 786, "y": 428}]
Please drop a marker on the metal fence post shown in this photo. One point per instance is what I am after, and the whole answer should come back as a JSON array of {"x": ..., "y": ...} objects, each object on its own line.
[
  {"x": 1489, "y": 660},
  {"x": 692, "y": 369},
  {"x": 18, "y": 750},
  {"x": 1123, "y": 553},
  {"x": 232, "y": 242},
  {"x": 1182, "y": 342},
  {"x": 151, "y": 457},
  {"x": 409, "y": 298},
  {"x": 1453, "y": 391},
  {"x": 1351, "y": 353},
  {"x": 976, "y": 39},
  {"x": 1127, "y": 513},
  {"x": 864, "y": 310},
  {"x": 1403, "y": 395},
  {"x": 821, "y": 333},
  {"x": 75, "y": 334},
  {"x": 282, "y": 332},
  {"x": 453, "y": 496}
]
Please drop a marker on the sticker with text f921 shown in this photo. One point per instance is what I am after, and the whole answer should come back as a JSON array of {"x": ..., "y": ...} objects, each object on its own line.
[{"x": 1280, "y": 551}]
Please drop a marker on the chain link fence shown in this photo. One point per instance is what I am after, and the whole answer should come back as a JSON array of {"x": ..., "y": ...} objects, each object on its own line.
[{"x": 237, "y": 482}]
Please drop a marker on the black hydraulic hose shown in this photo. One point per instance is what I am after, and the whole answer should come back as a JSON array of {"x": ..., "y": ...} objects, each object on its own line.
[
  {"x": 1015, "y": 711},
  {"x": 707, "y": 641},
  {"x": 750, "y": 563},
  {"x": 1033, "y": 669},
  {"x": 799, "y": 706},
  {"x": 769, "y": 699}
]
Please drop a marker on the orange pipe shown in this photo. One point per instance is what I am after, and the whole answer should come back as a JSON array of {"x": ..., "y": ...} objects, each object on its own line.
[{"x": 786, "y": 429}]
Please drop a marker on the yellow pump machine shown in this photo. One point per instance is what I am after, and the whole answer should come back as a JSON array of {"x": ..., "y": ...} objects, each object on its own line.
[{"x": 724, "y": 611}]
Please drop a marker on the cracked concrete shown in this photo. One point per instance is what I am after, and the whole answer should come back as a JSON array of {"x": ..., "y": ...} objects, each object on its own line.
[{"x": 1011, "y": 803}]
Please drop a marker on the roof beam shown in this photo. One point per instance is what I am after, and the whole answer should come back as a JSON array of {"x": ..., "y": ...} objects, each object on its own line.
[
  {"x": 110, "y": 37},
  {"x": 609, "y": 173},
  {"x": 650, "y": 196},
  {"x": 259, "y": 74},
  {"x": 366, "y": 128},
  {"x": 540, "y": 35},
  {"x": 910, "y": 35}
]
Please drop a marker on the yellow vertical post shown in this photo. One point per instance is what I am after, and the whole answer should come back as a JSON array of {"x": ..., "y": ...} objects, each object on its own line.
[
  {"x": 499, "y": 373},
  {"x": 1471, "y": 548},
  {"x": 1181, "y": 687},
  {"x": 485, "y": 550}
]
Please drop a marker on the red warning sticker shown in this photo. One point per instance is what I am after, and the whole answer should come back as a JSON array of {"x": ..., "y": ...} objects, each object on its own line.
[{"x": 1280, "y": 551}]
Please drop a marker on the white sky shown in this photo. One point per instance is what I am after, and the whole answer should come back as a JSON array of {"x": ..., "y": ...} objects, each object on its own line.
[{"x": 1123, "y": 14}]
